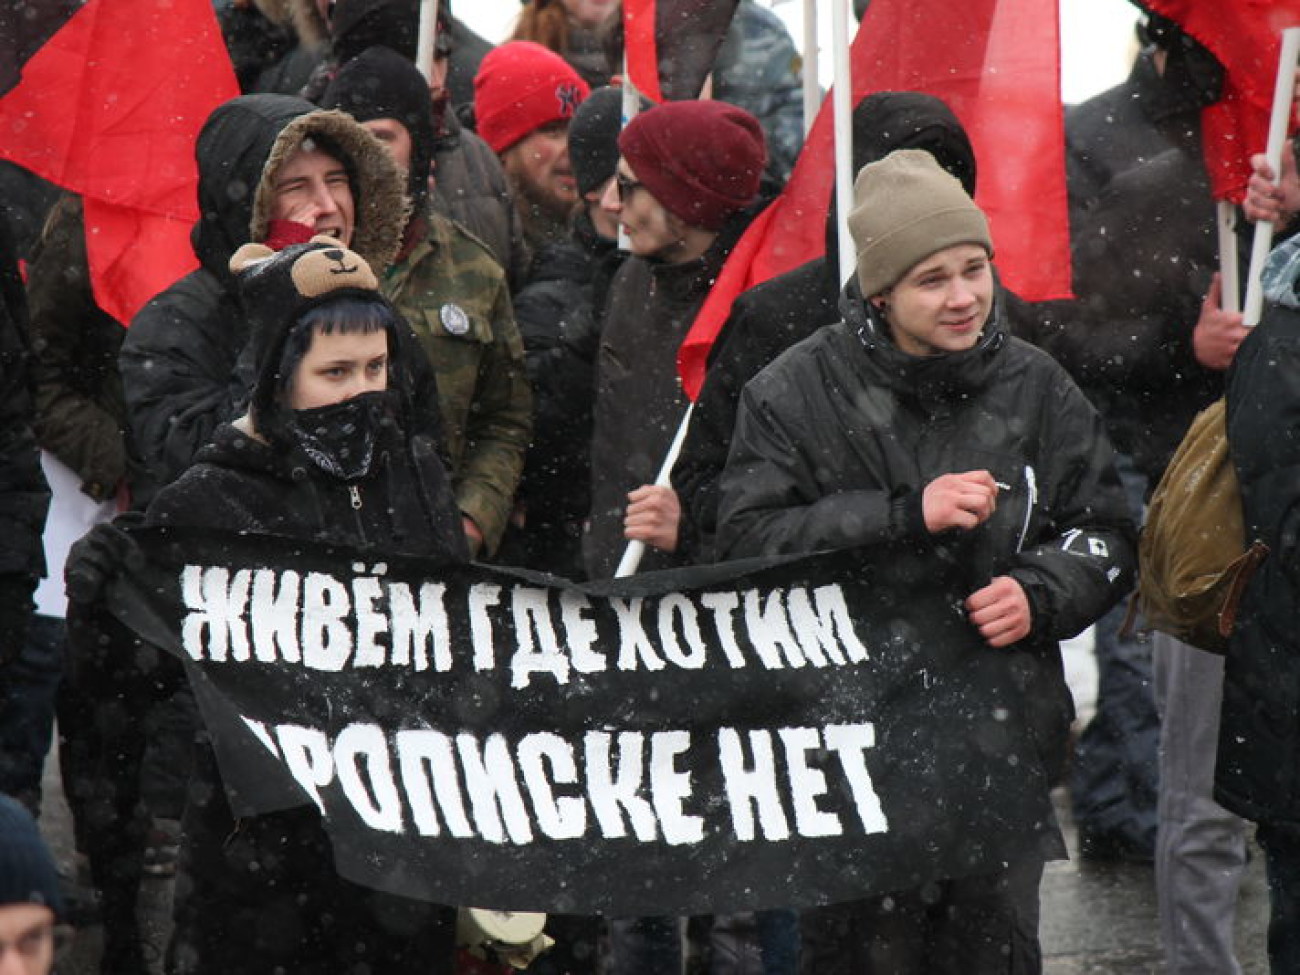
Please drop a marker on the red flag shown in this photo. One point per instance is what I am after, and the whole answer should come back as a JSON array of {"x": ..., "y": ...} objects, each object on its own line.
[
  {"x": 1246, "y": 38},
  {"x": 996, "y": 63},
  {"x": 671, "y": 44},
  {"x": 109, "y": 107}
]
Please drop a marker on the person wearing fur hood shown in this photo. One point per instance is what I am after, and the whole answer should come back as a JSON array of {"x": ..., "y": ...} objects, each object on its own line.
[{"x": 273, "y": 169}]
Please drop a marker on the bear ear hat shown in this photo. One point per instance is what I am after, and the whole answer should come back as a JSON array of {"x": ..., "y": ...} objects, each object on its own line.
[
  {"x": 248, "y": 255},
  {"x": 251, "y": 254}
]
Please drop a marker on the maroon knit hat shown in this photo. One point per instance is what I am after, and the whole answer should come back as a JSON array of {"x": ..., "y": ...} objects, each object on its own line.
[
  {"x": 702, "y": 160},
  {"x": 521, "y": 86}
]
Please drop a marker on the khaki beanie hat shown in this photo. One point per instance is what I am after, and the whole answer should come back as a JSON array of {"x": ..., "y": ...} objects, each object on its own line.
[{"x": 905, "y": 208}]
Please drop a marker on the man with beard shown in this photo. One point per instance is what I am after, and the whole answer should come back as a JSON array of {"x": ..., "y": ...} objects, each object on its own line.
[{"x": 524, "y": 97}]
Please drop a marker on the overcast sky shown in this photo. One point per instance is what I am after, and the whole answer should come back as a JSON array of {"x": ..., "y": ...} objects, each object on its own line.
[{"x": 1096, "y": 36}]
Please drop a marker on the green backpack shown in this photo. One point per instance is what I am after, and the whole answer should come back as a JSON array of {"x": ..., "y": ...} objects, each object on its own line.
[{"x": 1193, "y": 562}]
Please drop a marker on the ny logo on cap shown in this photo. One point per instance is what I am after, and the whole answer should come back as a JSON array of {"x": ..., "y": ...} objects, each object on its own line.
[{"x": 570, "y": 97}]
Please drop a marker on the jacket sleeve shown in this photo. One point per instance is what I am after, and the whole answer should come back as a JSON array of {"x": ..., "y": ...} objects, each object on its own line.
[
  {"x": 497, "y": 429},
  {"x": 1083, "y": 558},
  {"x": 1263, "y": 401},
  {"x": 770, "y": 502},
  {"x": 71, "y": 366},
  {"x": 24, "y": 495},
  {"x": 182, "y": 372}
]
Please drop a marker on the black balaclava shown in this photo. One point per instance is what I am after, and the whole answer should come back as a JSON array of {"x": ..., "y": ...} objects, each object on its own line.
[{"x": 380, "y": 83}]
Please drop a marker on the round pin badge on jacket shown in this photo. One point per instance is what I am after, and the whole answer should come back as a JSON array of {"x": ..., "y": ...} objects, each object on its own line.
[{"x": 454, "y": 319}]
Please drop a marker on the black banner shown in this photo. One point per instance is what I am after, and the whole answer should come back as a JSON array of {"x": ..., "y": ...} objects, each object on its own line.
[{"x": 744, "y": 735}]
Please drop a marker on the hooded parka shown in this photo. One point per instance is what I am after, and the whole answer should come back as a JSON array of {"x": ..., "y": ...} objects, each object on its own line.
[{"x": 182, "y": 368}]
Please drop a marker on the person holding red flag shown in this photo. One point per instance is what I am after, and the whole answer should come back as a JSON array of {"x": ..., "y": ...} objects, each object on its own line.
[{"x": 687, "y": 184}]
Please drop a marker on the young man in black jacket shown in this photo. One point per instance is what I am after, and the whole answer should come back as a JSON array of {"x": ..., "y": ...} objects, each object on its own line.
[{"x": 918, "y": 419}]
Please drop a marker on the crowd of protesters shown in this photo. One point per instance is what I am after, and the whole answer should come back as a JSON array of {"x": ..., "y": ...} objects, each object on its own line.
[{"x": 440, "y": 316}]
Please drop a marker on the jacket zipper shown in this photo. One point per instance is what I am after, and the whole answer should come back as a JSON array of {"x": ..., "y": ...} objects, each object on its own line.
[{"x": 1031, "y": 485}]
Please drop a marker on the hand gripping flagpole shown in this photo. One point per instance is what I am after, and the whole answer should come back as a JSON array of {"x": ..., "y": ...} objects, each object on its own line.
[
  {"x": 1283, "y": 94},
  {"x": 636, "y": 549}
]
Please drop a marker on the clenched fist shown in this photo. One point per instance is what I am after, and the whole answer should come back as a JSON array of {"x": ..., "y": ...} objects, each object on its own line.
[{"x": 964, "y": 500}]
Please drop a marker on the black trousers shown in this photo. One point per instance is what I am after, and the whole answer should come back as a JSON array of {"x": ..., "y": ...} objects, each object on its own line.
[{"x": 978, "y": 925}]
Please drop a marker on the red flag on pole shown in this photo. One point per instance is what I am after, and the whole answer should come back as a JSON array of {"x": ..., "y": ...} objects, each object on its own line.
[
  {"x": 671, "y": 44},
  {"x": 109, "y": 107},
  {"x": 1246, "y": 37},
  {"x": 996, "y": 63}
]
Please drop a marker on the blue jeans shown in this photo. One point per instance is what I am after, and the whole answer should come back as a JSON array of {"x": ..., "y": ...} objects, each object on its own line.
[{"x": 27, "y": 709}]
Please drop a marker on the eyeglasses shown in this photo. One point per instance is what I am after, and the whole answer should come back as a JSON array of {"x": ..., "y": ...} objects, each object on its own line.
[{"x": 626, "y": 186}]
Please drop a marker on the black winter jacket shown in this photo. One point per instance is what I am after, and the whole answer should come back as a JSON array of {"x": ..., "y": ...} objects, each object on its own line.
[
  {"x": 769, "y": 318},
  {"x": 1258, "y": 770},
  {"x": 558, "y": 315},
  {"x": 282, "y": 862},
  {"x": 836, "y": 440},
  {"x": 24, "y": 495},
  {"x": 1144, "y": 254},
  {"x": 242, "y": 484}
]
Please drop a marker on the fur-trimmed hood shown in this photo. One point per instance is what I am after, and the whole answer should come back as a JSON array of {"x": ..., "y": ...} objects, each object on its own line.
[{"x": 241, "y": 149}]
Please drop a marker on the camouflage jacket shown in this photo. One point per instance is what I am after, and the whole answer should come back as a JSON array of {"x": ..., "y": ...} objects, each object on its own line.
[
  {"x": 759, "y": 69},
  {"x": 454, "y": 295}
]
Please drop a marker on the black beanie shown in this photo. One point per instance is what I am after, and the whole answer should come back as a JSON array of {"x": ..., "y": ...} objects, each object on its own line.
[
  {"x": 593, "y": 138},
  {"x": 356, "y": 25},
  {"x": 380, "y": 83},
  {"x": 27, "y": 872}
]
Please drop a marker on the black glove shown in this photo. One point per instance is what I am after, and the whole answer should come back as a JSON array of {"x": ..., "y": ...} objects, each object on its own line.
[{"x": 98, "y": 556}]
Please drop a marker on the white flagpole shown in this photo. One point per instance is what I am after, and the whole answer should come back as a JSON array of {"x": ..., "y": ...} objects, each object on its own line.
[
  {"x": 632, "y": 554},
  {"x": 1228, "y": 260},
  {"x": 812, "y": 91},
  {"x": 843, "y": 108},
  {"x": 425, "y": 39},
  {"x": 1283, "y": 94},
  {"x": 631, "y": 106}
]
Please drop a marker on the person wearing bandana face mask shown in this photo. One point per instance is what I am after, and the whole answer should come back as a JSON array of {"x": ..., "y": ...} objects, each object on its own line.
[{"x": 324, "y": 453}]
